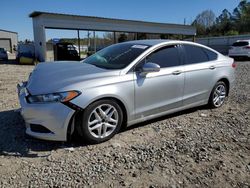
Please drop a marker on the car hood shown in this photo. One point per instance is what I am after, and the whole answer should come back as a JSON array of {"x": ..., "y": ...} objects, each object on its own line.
[{"x": 53, "y": 77}]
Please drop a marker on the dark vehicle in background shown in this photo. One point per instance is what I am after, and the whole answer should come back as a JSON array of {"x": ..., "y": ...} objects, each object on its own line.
[
  {"x": 66, "y": 51},
  {"x": 3, "y": 54},
  {"x": 26, "y": 53},
  {"x": 240, "y": 49}
]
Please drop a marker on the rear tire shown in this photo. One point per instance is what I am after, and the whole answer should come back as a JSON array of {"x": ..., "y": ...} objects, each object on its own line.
[
  {"x": 101, "y": 121},
  {"x": 218, "y": 95}
]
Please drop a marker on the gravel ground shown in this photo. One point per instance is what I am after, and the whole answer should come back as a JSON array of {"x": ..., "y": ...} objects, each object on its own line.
[{"x": 194, "y": 148}]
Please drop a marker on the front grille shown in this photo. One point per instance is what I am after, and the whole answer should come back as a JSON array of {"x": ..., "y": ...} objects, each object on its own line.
[{"x": 39, "y": 128}]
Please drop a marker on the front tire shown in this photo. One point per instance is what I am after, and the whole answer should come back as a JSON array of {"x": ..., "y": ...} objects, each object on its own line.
[
  {"x": 101, "y": 121},
  {"x": 218, "y": 95}
]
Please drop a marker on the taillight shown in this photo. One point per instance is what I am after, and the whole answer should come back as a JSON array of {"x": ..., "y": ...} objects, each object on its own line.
[
  {"x": 234, "y": 65},
  {"x": 247, "y": 47}
]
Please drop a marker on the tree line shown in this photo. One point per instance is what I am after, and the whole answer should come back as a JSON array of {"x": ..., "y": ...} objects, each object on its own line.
[{"x": 227, "y": 23}]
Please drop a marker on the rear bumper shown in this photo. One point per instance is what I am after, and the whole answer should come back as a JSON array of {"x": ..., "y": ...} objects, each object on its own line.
[{"x": 53, "y": 116}]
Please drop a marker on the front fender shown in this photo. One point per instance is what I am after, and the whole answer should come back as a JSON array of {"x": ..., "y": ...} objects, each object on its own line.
[{"x": 123, "y": 91}]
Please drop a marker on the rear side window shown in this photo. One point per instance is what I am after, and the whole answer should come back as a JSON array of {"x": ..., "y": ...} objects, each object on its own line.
[
  {"x": 241, "y": 43},
  {"x": 196, "y": 54},
  {"x": 165, "y": 57}
]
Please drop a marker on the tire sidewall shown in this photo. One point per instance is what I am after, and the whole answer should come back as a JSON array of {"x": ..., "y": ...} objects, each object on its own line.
[{"x": 86, "y": 135}]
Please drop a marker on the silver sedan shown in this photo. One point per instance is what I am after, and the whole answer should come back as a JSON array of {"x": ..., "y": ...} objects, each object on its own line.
[{"x": 122, "y": 85}]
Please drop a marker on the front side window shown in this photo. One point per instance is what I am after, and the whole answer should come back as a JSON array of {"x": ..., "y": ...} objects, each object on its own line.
[
  {"x": 116, "y": 56},
  {"x": 165, "y": 57}
]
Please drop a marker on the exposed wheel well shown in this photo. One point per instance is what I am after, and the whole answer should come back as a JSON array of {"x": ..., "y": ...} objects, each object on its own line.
[{"x": 225, "y": 80}]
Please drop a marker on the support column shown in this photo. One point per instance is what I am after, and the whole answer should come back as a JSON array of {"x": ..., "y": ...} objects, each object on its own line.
[
  {"x": 94, "y": 41},
  {"x": 79, "y": 45},
  {"x": 193, "y": 38},
  {"x": 39, "y": 40},
  {"x": 88, "y": 41},
  {"x": 136, "y": 36},
  {"x": 114, "y": 35}
]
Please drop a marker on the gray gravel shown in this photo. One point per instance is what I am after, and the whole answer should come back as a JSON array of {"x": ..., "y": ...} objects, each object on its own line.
[{"x": 194, "y": 148}]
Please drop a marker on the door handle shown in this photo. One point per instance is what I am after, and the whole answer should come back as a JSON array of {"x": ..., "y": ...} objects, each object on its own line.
[
  {"x": 176, "y": 72},
  {"x": 212, "y": 67}
]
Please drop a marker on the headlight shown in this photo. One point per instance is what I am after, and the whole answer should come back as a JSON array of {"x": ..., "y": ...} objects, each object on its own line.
[{"x": 53, "y": 97}]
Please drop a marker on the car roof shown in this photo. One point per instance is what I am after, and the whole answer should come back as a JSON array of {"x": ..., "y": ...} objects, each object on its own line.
[
  {"x": 149, "y": 42},
  {"x": 153, "y": 42}
]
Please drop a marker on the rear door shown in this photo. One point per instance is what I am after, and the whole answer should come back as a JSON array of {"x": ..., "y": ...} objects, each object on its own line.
[
  {"x": 160, "y": 91},
  {"x": 199, "y": 68}
]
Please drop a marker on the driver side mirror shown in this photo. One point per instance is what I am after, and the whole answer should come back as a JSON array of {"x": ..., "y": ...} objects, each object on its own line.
[{"x": 148, "y": 68}]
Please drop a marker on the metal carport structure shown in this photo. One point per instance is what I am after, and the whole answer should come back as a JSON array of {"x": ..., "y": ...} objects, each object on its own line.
[{"x": 46, "y": 20}]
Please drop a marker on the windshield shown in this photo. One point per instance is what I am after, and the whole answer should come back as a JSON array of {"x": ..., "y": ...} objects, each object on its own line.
[{"x": 117, "y": 56}]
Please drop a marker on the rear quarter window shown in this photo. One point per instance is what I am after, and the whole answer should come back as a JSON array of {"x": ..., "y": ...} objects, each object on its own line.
[{"x": 211, "y": 55}]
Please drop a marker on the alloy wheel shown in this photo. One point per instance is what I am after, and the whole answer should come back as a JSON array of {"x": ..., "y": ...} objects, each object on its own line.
[
  {"x": 219, "y": 95},
  {"x": 103, "y": 120}
]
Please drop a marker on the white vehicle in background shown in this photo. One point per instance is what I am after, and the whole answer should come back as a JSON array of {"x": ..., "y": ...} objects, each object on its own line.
[{"x": 241, "y": 48}]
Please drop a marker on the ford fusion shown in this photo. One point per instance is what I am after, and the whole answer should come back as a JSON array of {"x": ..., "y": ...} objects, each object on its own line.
[{"x": 122, "y": 85}]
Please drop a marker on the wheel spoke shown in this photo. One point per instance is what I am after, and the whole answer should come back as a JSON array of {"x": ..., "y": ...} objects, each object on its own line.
[
  {"x": 102, "y": 113},
  {"x": 111, "y": 120},
  {"x": 104, "y": 131},
  {"x": 216, "y": 100},
  {"x": 97, "y": 116},
  {"x": 93, "y": 122},
  {"x": 97, "y": 126},
  {"x": 108, "y": 125},
  {"x": 219, "y": 101},
  {"x": 223, "y": 93},
  {"x": 111, "y": 114},
  {"x": 100, "y": 131},
  {"x": 217, "y": 91},
  {"x": 222, "y": 96},
  {"x": 220, "y": 89},
  {"x": 108, "y": 110}
]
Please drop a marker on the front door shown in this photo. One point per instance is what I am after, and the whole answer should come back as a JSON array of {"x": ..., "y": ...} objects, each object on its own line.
[{"x": 161, "y": 91}]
